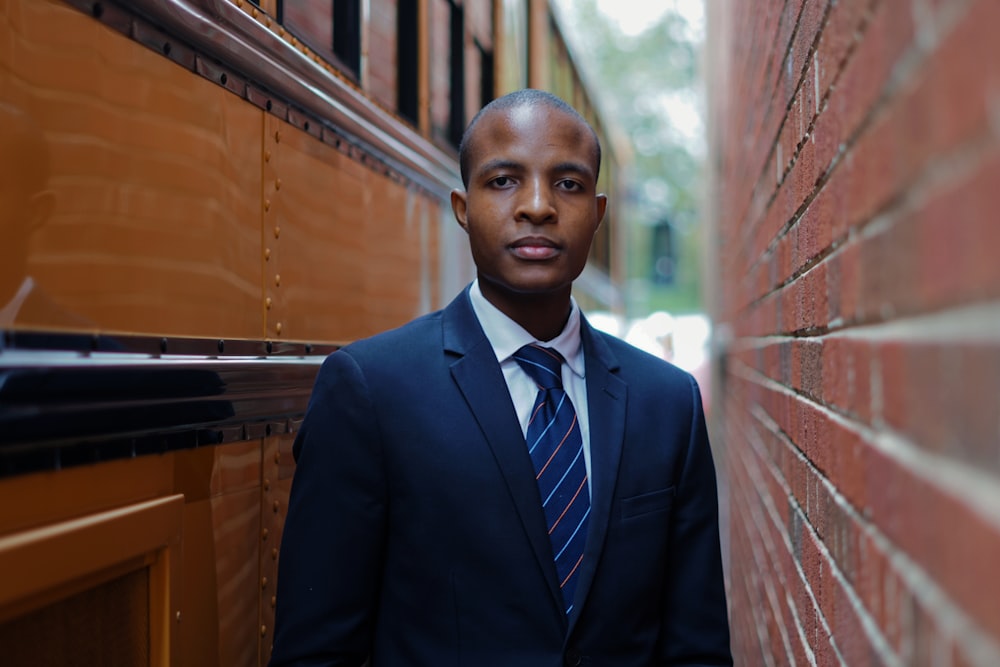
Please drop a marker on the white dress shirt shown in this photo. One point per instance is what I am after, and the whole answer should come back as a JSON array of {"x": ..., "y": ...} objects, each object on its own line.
[{"x": 507, "y": 337}]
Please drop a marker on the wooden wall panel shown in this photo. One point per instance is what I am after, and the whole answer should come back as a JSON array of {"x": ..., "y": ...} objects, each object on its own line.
[
  {"x": 397, "y": 279},
  {"x": 348, "y": 251},
  {"x": 46, "y": 497},
  {"x": 58, "y": 561},
  {"x": 198, "y": 641},
  {"x": 154, "y": 213},
  {"x": 237, "y": 534},
  {"x": 276, "y": 485},
  {"x": 221, "y": 536},
  {"x": 314, "y": 274}
]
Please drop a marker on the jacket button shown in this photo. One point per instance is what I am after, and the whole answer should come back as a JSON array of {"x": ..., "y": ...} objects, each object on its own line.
[{"x": 572, "y": 658}]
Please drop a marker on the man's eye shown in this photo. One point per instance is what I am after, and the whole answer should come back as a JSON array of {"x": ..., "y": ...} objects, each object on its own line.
[
  {"x": 571, "y": 186},
  {"x": 501, "y": 181}
]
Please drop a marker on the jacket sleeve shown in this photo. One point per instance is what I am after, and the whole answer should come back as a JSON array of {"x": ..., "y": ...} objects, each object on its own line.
[
  {"x": 695, "y": 621},
  {"x": 334, "y": 536}
]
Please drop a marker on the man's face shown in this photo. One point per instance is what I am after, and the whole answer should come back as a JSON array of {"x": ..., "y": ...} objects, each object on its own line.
[{"x": 531, "y": 208}]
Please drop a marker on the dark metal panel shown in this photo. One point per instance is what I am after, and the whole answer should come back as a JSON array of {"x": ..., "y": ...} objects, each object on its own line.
[{"x": 60, "y": 409}]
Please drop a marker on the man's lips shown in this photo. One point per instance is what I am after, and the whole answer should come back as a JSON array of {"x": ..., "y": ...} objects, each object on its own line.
[{"x": 534, "y": 247}]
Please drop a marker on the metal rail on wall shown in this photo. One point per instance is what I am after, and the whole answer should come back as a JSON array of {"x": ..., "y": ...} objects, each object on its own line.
[
  {"x": 222, "y": 30},
  {"x": 60, "y": 408}
]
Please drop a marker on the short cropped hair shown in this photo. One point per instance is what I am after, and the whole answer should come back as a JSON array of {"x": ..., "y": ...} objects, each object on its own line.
[{"x": 528, "y": 97}]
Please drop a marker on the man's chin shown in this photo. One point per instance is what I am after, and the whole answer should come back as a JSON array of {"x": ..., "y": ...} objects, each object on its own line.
[{"x": 526, "y": 289}]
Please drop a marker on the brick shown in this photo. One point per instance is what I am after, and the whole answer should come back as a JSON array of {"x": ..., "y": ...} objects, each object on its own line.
[
  {"x": 774, "y": 564},
  {"x": 843, "y": 288},
  {"x": 783, "y": 262},
  {"x": 945, "y": 397},
  {"x": 884, "y": 40},
  {"x": 811, "y": 383},
  {"x": 783, "y": 69},
  {"x": 911, "y": 510},
  {"x": 815, "y": 231},
  {"x": 830, "y": 594},
  {"x": 804, "y": 174},
  {"x": 843, "y": 22},
  {"x": 806, "y": 37},
  {"x": 957, "y": 87},
  {"x": 954, "y": 233},
  {"x": 829, "y": 133},
  {"x": 882, "y": 213}
]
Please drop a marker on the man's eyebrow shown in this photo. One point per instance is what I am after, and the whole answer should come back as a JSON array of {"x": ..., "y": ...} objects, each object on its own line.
[
  {"x": 561, "y": 168},
  {"x": 499, "y": 163},
  {"x": 575, "y": 168}
]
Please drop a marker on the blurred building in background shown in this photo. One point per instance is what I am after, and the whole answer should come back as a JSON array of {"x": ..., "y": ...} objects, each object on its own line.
[
  {"x": 855, "y": 289},
  {"x": 641, "y": 60}
]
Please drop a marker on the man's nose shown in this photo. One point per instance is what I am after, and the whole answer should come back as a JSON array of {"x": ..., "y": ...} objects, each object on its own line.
[{"x": 536, "y": 204}]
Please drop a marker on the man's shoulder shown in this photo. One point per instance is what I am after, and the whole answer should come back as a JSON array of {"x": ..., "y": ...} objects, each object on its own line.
[{"x": 386, "y": 358}]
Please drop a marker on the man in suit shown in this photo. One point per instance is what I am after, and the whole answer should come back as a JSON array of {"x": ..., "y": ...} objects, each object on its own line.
[{"x": 426, "y": 529}]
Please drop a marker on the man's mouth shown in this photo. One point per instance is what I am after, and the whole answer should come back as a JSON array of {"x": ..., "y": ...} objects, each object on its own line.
[{"x": 534, "y": 248}]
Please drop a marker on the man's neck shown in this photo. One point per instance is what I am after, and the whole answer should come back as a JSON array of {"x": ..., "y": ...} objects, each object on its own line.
[{"x": 542, "y": 315}]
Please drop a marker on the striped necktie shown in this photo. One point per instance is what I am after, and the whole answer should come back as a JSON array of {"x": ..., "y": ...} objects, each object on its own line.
[{"x": 556, "y": 449}]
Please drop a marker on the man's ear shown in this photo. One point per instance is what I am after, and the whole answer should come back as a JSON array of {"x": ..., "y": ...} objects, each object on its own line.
[
  {"x": 602, "y": 206},
  {"x": 459, "y": 206}
]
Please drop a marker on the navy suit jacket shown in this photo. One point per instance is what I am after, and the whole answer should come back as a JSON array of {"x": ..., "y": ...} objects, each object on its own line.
[{"x": 415, "y": 534}]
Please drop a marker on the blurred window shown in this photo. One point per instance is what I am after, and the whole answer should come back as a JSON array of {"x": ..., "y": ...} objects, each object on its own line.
[
  {"x": 447, "y": 71},
  {"x": 347, "y": 33},
  {"x": 408, "y": 60},
  {"x": 485, "y": 75},
  {"x": 331, "y": 28},
  {"x": 456, "y": 111}
]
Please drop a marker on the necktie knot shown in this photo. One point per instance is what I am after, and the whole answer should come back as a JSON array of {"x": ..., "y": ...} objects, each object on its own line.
[{"x": 542, "y": 364}]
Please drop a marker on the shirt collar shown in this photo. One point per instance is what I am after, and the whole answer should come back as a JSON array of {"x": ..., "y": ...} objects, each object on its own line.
[{"x": 507, "y": 336}]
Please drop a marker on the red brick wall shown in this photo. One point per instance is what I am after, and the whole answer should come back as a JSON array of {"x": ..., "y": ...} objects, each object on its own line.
[{"x": 855, "y": 196}]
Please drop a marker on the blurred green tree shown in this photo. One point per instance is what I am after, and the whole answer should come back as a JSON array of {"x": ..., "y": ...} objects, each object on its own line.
[{"x": 648, "y": 85}]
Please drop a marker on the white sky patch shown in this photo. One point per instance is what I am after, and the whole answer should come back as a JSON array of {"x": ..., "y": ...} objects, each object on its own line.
[
  {"x": 686, "y": 120},
  {"x": 634, "y": 16}
]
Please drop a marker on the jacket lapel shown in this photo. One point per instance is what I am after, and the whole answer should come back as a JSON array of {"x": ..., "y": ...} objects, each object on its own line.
[
  {"x": 606, "y": 400},
  {"x": 478, "y": 376}
]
